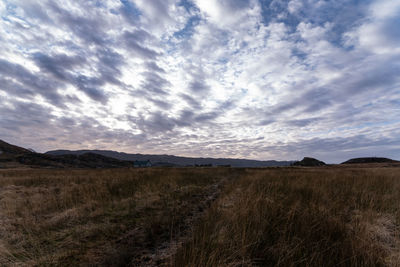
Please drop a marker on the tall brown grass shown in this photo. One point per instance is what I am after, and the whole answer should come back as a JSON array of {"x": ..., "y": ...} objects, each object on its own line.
[
  {"x": 104, "y": 217},
  {"x": 301, "y": 217},
  {"x": 262, "y": 217}
]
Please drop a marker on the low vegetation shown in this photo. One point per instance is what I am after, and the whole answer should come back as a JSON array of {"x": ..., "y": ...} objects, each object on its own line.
[
  {"x": 306, "y": 217},
  {"x": 326, "y": 216},
  {"x": 103, "y": 217}
]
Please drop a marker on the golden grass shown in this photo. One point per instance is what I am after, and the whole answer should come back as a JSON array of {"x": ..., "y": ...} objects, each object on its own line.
[
  {"x": 301, "y": 217},
  {"x": 74, "y": 217},
  {"x": 262, "y": 217}
]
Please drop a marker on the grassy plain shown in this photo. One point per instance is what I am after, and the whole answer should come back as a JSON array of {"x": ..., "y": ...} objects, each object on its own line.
[{"x": 330, "y": 216}]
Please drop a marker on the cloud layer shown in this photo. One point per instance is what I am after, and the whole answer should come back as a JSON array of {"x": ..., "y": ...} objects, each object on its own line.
[{"x": 261, "y": 79}]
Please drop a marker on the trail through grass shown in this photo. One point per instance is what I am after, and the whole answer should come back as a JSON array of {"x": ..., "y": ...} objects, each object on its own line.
[
  {"x": 200, "y": 217},
  {"x": 104, "y": 217},
  {"x": 301, "y": 217}
]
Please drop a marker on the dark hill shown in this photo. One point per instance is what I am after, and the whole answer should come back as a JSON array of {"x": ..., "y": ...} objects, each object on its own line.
[
  {"x": 170, "y": 160},
  {"x": 309, "y": 162},
  {"x": 107, "y": 159},
  {"x": 15, "y": 156},
  {"x": 87, "y": 160},
  {"x": 9, "y": 154},
  {"x": 8, "y": 149},
  {"x": 369, "y": 160}
]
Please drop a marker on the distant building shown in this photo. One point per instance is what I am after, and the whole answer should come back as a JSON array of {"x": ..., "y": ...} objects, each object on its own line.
[
  {"x": 203, "y": 165},
  {"x": 141, "y": 164}
]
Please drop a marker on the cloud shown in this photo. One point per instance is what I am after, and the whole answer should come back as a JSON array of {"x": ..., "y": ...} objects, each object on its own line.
[
  {"x": 19, "y": 80},
  {"x": 294, "y": 6},
  {"x": 61, "y": 67},
  {"x": 154, "y": 67},
  {"x": 133, "y": 40},
  {"x": 109, "y": 65},
  {"x": 225, "y": 13},
  {"x": 154, "y": 83},
  {"x": 162, "y": 17},
  {"x": 259, "y": 79},
  {"x": 195, "y": 104},
  {"x": 57, "y": 65},
  {"x": 380, "y": 31},
  {"x": 88, "y": 29}
]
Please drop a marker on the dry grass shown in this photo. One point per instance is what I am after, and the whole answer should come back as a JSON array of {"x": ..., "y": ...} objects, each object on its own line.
[
  {"x": 106, "y": 217},
  {"x": 301, "y": 217},
  {"x": 263, "y": 217}
]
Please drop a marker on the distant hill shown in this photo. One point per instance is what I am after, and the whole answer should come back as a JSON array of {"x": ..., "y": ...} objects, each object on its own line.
[
  {"x": 309, "y": 162},
  {"x": 87, "y": 160},
  {"x": 170, "y": 160},
  {"x": 369, "y": 160},
  {"x": 108, "y": 159},
  {"x": 8, "y": 149},
  {"x": 9, "y": 154},
  {"x": 15, "y": 156}
]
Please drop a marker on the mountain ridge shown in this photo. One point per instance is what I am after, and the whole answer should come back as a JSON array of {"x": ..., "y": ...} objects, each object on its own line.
[
  {"x": 176, "y": 160},
  {"x": 15, "y": 156},
  {"x": 9, "y": 149},
  {"x": 108, "y": 158}
]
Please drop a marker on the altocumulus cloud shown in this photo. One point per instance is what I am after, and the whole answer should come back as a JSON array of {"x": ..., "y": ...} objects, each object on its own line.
[{"x": 225, "y": 78}]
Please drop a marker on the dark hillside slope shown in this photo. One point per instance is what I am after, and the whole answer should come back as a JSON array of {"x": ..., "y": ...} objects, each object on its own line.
[
  {"x": 175, "y": 160},
  {"x": 87, "y": 160},
  {"x": 369, "y": 160},
  {"x": 8, "y": 149},
  {"x": 14, "y": 156},
  {"x": 309, "y": 162}
]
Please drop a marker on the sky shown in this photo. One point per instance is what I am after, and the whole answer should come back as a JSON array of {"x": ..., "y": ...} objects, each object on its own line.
[{"x": 257, "y": 79}]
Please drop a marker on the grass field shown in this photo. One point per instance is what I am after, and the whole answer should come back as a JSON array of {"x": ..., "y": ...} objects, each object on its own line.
[{"x": 328, "y": 216}]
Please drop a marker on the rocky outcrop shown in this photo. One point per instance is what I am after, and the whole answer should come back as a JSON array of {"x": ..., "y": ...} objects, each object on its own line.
[
  {"x": 309, "y": 162},
  {"x": 369, "y": 160}
]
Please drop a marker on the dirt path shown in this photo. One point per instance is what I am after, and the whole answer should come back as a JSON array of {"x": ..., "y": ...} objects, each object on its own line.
[
  {"x": 141, "y": 229},
  {"x": 164, "y": 253},
  {"x": 135, "y": 248},
  {"x": 141, "y": 253}
]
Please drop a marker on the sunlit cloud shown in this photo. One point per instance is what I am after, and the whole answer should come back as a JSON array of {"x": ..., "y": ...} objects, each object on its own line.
[{"x": 255, "y": 79}]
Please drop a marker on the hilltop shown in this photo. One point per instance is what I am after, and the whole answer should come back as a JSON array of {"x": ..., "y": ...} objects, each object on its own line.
[
  {"x": 15, "y": 156},
  {"x": 309, "y": 162},
  {"x": 369, "y": 160},
  {"x": 171, "y": 160},
  {"x": 12, "y": 155},
  {"x": 7, "y": 149}
]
